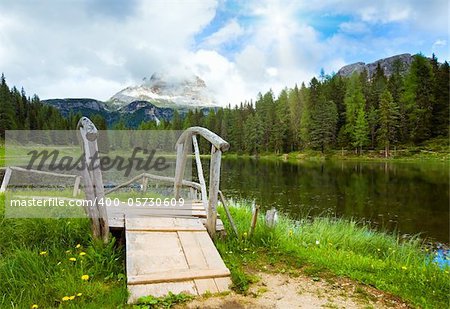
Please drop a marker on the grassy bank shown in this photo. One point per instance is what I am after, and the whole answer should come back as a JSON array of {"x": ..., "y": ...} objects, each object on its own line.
[
  {"x": 325, "y": 248},
  {"x": 45, "y": 261}
]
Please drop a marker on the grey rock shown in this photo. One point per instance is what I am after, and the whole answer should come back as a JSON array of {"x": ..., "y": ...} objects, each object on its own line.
[{"x": 387, "y": 64}]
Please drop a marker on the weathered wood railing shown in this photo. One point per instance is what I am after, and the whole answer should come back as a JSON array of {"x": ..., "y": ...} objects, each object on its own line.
[
  {"x": 218, "y": 146},
  {"x": 144, "y": 179},
  {"x": 10, "y": 169},
  {"x": 92, "y": 178}
]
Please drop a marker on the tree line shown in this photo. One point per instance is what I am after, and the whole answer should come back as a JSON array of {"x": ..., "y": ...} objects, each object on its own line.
[{"x": 331, "y": 112}]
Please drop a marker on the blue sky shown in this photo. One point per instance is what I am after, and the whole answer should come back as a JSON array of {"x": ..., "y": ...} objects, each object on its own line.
[{"x": 96, "y": 48}]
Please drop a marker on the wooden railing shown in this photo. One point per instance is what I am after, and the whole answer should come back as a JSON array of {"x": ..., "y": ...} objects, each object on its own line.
[
  {"x": 92, "y": 178},
  {"x": 10, "y": 169},
  {"x": 218, "y": 145}
]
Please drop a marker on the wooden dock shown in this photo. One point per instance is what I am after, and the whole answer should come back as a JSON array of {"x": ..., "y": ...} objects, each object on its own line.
[
  {"x": 172, "y": 254},
  {"x": 168, "y": 248}
]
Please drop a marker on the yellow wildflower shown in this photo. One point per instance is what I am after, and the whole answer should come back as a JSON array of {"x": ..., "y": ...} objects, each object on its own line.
[
  {"x": 78, "y": 246},
  {"x": 67, "y": 251},
  {"x": 404, "y": 268},
  {"x": 34, "y": 306},
  {"x": 72, "y": 297},
  {"x": 65, "y": 298},
  {"x": 245, "y": 234},
  {"x": 85, "y": 277},
  {"x": 43, "y": 253},
  {"x": 82, "y": 253},
  {"x": 72, "y": 259},
  {"x": 79, "y": 294}
]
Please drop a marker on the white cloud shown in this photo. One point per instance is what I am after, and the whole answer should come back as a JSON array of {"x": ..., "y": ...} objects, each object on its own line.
[
  {"x": 85, "y": 49},
  {"x": 439, "y": 43},
  {"x": 228, "y": 33},
  {"x": 354, "y": 27}
]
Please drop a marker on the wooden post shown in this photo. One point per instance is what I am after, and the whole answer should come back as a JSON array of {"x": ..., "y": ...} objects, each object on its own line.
[
  {"x": 6, "y": 179},
  {"x": 76, "y": 186},
  {"x": 182, "y": 150},
  {"x": 214, "y": 182},
  {"x": 93, "y": 181},
  {"x": 201, "y": 178},
  {"x": 144, "y": 183},
  {"x": 271, "y": 217},
  {"x": 227, "y": 211},
  {"x": 254, "y": 219}
]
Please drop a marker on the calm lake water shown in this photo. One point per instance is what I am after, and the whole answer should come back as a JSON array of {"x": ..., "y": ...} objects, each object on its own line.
[{"x": 410, "y": 197}]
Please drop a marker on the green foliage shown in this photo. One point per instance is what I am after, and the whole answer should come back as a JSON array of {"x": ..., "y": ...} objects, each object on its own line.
[
  {"x": 336, "y": 246},
  {"x": 167, "y": 301},
  {"x": 35, "y": 266},
  {"x": 389, "y": 115}
]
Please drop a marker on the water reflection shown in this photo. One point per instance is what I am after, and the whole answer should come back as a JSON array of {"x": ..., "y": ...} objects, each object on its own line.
[{"x": 410, "y": 197}]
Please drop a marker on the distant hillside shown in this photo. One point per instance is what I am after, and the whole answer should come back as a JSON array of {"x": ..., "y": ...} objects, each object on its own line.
[
  {"x": 154, "y": 100},
  {"x": 164, "y": 91},
  {"x": 132, "y": 114},
  {"x": 387, "y": 64}
]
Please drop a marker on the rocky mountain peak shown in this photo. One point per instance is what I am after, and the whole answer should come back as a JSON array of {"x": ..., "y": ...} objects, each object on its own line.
[
  {"x": 387, "y": 64},
  {"x": 163, "y": 90}
]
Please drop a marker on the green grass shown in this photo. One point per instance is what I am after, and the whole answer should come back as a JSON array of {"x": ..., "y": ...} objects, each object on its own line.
[
  {"x": 332, "y": 247},
  {"x": 35, "y": 266},
  {"x": 163, "y": 302}
]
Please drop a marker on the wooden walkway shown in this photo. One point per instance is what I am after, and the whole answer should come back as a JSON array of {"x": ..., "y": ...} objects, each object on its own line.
[
  {"x": 168, "y": 248},
  {"x": 172, "y": 254}
]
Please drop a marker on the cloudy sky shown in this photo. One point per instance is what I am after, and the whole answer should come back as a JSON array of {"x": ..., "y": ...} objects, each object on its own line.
[{"x": 94, "y": 48}]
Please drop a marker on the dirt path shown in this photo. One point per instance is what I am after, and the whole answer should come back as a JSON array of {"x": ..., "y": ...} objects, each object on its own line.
[{"x": 284, "y": 292}]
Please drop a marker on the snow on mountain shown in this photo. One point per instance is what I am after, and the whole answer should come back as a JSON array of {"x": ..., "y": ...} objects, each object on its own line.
[{"x": 164, "y": 91}]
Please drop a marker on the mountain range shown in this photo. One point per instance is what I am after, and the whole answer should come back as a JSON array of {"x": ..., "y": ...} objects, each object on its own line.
[{"x": 156, "y": 98}]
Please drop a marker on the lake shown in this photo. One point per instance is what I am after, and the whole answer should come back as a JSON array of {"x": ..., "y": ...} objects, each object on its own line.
[{"x": 409, "y": 197}]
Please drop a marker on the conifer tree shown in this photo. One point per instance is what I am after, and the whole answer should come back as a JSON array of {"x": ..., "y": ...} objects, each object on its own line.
[{"x": 388, "y": 121}]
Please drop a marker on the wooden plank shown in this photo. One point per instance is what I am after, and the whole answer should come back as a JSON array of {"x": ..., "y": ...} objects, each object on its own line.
[
  {"x": 76, "y": 186},
  {"x": 160, "y": 289},
  {"x": 212, "y": 256},
  {"x": 196, "y": 260},
  {"x": 150, "y": 252},
  {"x": 214, "y": 181},
  {"x": 212, "y": 137},
  {"x": 227, "y": 211},
  {"x": 180, "y": 165},
  {"x": 6, "y": 179},
  {"x": 222, "y": 284},
  {"x": 175, "y": 275},
  {"x": 25, "y": 170},
  {"x": 181, "y": 261},
  {"x": 163, "y": 224},
  {"x": 206, "y": 286},
  {"x": 201, "y": 178}
]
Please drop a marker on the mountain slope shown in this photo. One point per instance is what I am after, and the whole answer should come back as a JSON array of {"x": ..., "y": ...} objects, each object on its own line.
[
  {"x": 163, "y": 91},
  {"x": 387, "y": 64}
]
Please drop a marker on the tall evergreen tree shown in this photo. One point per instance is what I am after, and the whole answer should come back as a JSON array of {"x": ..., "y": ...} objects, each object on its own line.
[
  {"x": 388, "y": 120},
  {"x": 7, "y": 111},
  {"x": 356, "y": 126},
  {"x": 418, "y": 98}
]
